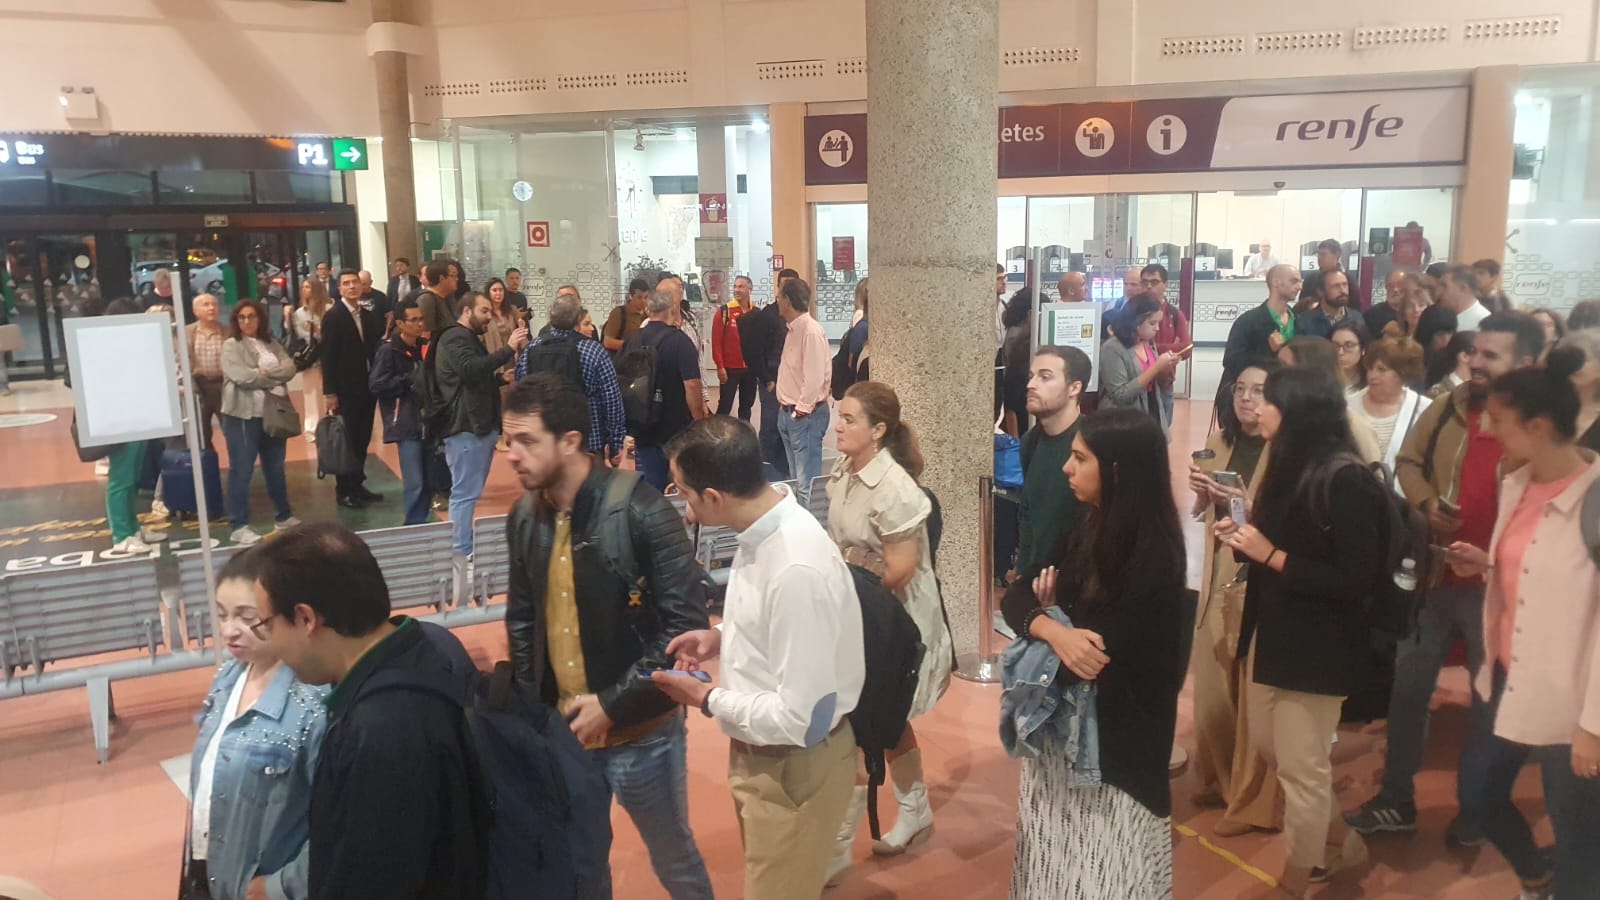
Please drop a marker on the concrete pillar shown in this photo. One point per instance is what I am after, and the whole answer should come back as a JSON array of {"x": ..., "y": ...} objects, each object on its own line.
[
  {"x": 1486, "y": 191},
  {"x": 932, "y": 86},
  {"x": 792, "y": 234},
  {"x": 387, "y": 40}
]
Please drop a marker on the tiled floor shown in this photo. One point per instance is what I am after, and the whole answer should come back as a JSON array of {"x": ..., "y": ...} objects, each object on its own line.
[{"x": 90, "y": 832}]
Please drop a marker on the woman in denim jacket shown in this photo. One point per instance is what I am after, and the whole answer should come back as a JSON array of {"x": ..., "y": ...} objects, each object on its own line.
[{"x": 250, "y": 774}]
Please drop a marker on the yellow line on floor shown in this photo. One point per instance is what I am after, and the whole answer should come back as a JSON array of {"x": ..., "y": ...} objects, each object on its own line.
[{"x": 1228, "y": 855}]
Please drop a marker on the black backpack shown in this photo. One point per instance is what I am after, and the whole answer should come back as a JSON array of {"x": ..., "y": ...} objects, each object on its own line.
[
  {"x": 543, "y": 797},
  {"x": 1392, "y": 609},
  {"x": 636, "y": 375},
  {"x": 557, "y": 354},
  {"x": 894, "y": 650}
]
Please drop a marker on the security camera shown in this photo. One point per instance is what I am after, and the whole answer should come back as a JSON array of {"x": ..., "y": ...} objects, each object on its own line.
[{"x": 1279, "y": 184}]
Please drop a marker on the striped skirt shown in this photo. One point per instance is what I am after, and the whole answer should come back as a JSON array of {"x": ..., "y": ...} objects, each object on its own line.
[{"x": 1086, "y": 843}]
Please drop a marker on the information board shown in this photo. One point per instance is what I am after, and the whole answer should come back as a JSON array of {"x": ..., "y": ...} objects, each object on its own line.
[
  {"x": 124, "y": 378},
  {"x": 1072, "y": 325}
]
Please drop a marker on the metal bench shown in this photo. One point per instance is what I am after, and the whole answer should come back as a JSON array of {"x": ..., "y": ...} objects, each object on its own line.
[
  {"x": 55, "y": 615},
  {"x": 818, "y": 501},
  {"x": 491, "y": 559},
  {"x": 415, "y": 560},
  {"x": 191, "y": 600}
]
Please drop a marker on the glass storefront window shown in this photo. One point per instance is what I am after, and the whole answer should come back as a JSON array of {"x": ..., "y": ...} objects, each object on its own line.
[
  {"x": 296, "y": 187},
  {"x": 204, "y": 187},
  {"x": 23, "y": 189},
  {"x": 1553, "y": 224},
  {"x": 841, "y": 230},
  {"x": 82, "y": 187}
]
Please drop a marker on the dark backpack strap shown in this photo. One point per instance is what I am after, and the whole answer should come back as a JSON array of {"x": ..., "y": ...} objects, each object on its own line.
[
  {"x": 1030, "y": 444},
  {"x": 613, "y": 528},
  {"x": 1433, "y": 439}
]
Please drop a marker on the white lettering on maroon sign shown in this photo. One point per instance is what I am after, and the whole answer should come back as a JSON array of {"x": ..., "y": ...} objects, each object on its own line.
[{"x": 1426, "y": 126}]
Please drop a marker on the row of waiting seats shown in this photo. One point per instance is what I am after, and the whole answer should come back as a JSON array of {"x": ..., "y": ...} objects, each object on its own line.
[{"x": 62, "y": 615}]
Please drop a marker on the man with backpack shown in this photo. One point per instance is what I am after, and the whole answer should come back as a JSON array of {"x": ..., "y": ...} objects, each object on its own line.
[
  {"x": 468, "y": 379},
  {"x": 662, "y": 389},
  {"x": 602, "y": 578},
  {"x": 395, "y": 814},
  {"x": 585, "y": 365},
  {"x": 793, "y": 662},
  {"x": 1449, "y": 468}
]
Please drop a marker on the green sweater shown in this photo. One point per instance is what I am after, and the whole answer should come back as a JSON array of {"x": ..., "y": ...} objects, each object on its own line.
[{"x": 1049, "y": 508}]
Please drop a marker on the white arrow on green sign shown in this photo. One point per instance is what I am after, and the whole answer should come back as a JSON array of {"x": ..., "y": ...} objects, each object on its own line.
[{"x": 350, "y": 154}]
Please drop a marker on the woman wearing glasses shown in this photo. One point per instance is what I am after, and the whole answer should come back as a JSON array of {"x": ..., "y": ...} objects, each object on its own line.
[
  {"x": 250, "y": 772},
  {"x": 1350, "y": 342}
]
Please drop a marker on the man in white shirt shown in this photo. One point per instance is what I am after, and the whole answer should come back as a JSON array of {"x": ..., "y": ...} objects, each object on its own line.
[
  {"x": 1261, "y": 263},
  {"x": 792, "y": 662},
  {"x": 1458, "y": 292}
]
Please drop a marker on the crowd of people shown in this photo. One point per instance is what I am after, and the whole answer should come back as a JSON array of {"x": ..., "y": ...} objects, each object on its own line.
[{"x": 1441, "y": 418}]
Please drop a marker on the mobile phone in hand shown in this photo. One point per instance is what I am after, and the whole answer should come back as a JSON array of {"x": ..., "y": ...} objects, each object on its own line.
[{"x": 696, "y": 674}]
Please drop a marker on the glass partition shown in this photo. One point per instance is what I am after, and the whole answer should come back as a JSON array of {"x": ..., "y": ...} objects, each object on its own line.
[{"x": 841, "y": 230}]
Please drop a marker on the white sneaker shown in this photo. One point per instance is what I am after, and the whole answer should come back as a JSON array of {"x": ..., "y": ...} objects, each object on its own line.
[
  {"x": 286, "y": 524},
  {"x": 151, "y": 536},
  {"x": 102, "y": 468},
  {"x": 157, "y": 508},
  {"x": 244, "y": 537},
  {"x": 131, "y": 545}
]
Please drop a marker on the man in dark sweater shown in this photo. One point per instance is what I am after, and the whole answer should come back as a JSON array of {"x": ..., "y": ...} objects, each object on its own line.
[
  {"x": 1049, "y": 508},
  {"x": 1261, "y": 331},
  {"x": 762, "y": 334},
  {"x": 394, "y": 812},
  {"x": 469, "y": 379}
]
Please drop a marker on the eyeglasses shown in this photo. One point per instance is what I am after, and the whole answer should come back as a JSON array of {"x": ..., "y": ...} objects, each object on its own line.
[
  {"x": 249, "y": 620},
  {"x": 1346, "y": 346},
  {"x": 1250, "y": 391}
]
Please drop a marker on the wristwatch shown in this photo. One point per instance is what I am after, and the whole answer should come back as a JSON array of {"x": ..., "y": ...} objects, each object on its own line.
[{"x": 705, "y": 705}]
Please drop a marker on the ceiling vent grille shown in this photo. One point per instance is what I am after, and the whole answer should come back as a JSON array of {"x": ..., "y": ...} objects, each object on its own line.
[
  {"x": 790, "y": 70},
  {"x": 855, "y": 65},
  {"x": 519, "y": 86},
  {"x": 1215, "y": 45},
  {"x": 452, "y": 89},
  {"x": 1524, "y": 27},
  {"x": 1298, "y": 41},
  {"x": 586, "y": 82},
  {"x": 657, "y": 77},
  {"x": 1400, "y": 36},
  {"x": 1039, "y": 56}
]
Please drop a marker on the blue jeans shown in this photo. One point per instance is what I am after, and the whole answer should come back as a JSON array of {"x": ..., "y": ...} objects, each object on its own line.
[
  {"x": 652, "y": 465},
  {"x": 650, "y": 779},
  {"x": 247, "y": 439},
  {"x": 1573, "y": 803},
  {"x": 1450, "y": 610},
  {"x": 1166, "y": 402},
  {"x": 413, "y": 475},
  {"x": 802, "y": 443},
  {"x": 771, "y": 441},
  {"x": 469, "y": 456}
]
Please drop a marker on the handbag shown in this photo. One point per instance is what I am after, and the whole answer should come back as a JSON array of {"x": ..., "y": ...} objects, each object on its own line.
[
  {"x": 279, "y": 418},
  {"x": 305, "y": 353}
]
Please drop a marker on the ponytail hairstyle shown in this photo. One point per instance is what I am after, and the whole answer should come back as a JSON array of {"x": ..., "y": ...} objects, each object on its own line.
[
  {"x": 1545, "y": 391},
  {"x": 882, "y": 407}
]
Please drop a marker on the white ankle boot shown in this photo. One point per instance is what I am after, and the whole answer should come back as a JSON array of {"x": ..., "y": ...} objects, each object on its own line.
[
  {"x": 915, "y": 822},
  {"x": 846, "y": 839}
]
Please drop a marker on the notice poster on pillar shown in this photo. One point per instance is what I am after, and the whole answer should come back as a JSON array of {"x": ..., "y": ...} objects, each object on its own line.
[
  {"x": 844, "y": 254},
  {"x": 713, "y": 209},
  {"x": 1075, "y": 325}
]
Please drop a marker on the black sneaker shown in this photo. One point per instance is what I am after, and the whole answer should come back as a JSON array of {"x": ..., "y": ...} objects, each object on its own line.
[
  {"x": 1463, "y": 833},
  {"x": 1380, "y": 816}
]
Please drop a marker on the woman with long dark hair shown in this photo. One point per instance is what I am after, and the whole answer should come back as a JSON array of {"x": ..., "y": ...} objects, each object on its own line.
[
  {"x": 1232, "y": 775},
  {"x": 1015, "y": 357},
  {"x": 1130, "y": 367},
  {"x": 1315, "y": 557},
  {"x": 1538, "y": 690},
  {"x": 1119, "y": 577},
  {"x": 878, "y": 515},
  {"x": 1350, "y": 342}
]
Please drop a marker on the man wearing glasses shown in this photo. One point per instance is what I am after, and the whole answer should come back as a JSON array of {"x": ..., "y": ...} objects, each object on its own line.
[
  {"x": 1173, "y": 336},
  {"x": 390, "y": 382}
]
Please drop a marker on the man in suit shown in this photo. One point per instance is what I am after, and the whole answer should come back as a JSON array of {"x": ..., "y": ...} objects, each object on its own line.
[
  {"x": 324, "y": 274},
  {"x": 350, "y": 339},
  {"x": 402, "y": 283}
]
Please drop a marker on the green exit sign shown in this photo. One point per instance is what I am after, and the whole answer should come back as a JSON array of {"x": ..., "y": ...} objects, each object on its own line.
[{"x": 350, "y": 154}]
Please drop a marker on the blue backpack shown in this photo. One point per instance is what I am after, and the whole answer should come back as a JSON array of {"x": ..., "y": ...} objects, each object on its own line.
[{"x": 548, "y": 804}]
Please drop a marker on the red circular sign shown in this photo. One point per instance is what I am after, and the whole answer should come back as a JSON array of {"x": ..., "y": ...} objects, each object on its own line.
[{"x": 538, "y": 234}]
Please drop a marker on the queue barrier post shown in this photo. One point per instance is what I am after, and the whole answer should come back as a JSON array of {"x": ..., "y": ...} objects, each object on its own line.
[{"x": 983, "y": 667}]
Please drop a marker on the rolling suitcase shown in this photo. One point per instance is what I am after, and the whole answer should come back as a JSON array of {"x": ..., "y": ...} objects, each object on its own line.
[{"x": 177, "y": 483}]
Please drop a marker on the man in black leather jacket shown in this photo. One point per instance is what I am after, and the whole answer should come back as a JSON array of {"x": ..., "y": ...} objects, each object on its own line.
[{"x": 602, "y": 578}]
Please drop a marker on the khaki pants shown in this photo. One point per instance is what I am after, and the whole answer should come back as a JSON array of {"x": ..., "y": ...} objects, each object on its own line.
[
  {"x": 1225, "y": 758},
  {"x": 1293, "y": 730},
  {"x": 789, "y": 810}
]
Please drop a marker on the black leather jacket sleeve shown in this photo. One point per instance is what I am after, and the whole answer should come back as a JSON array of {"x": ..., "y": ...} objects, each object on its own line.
[
  {"x": 523, "y": 631},
  {"x": 665, "y": 558}
]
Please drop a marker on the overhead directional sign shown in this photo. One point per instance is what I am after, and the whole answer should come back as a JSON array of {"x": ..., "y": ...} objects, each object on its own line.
[{"x": 350, "y": 154}]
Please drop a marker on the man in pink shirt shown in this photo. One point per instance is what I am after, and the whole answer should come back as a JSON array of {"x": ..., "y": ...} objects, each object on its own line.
[{"x": 804, "y": 375}]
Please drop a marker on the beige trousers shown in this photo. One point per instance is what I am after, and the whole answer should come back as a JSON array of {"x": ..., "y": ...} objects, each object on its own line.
[
  {"x": 1224, "y": 756},
  {"x": 1292, "y": 730},
  {"x": 789, "y": 810}
]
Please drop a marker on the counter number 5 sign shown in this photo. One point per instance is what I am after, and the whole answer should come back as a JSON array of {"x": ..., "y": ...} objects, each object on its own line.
[{"x": 538, "y": 234}]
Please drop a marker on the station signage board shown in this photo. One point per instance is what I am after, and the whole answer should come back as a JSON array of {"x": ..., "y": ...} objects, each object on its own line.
[
  {"x": 181, "y": 153},
  {"x": 1192, "y": 134}
]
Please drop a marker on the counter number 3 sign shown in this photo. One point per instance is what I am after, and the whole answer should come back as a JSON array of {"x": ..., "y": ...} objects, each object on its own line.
[{"x": 538, "y": 234}]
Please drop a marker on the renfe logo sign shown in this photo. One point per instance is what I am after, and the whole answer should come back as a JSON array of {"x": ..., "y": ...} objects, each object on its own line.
[
  {"x": 1423, "y": 126},
  {"x": 1369, "y": 128}
]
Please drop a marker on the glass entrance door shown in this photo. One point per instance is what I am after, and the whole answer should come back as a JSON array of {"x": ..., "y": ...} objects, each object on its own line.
[
  {"x": 71, "y": 266},
  {"x": 22, "y": 285}
]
